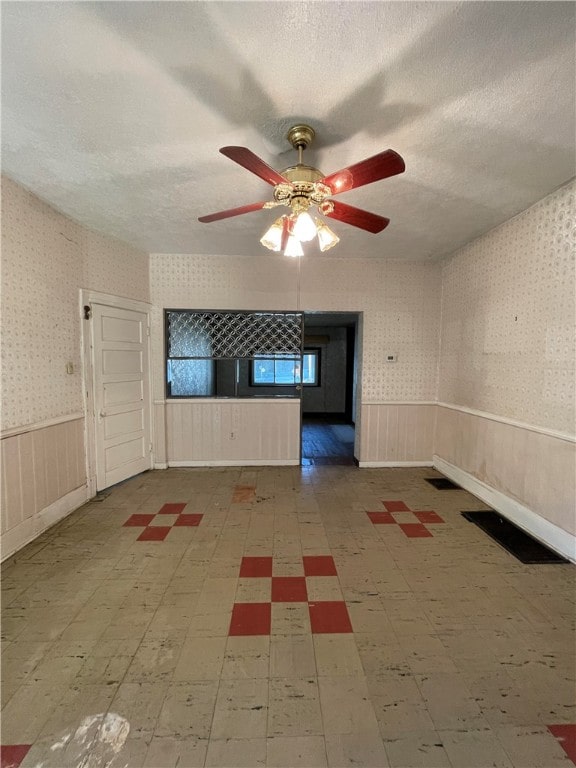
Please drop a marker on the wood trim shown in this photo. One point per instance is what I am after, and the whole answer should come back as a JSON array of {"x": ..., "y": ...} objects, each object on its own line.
[
  {"x": 15, "y": 431},
  {"x": 512, "y": 422}
]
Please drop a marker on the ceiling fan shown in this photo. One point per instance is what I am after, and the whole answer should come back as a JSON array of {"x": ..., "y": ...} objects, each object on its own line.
[{"x": 301, "y": 186}]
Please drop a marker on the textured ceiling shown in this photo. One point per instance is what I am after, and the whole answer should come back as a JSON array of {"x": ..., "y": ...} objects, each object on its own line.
[{"x": 114, "y": 113}]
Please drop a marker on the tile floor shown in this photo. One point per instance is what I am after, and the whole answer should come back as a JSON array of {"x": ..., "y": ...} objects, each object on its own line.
[{"x": 314, "y": 616}]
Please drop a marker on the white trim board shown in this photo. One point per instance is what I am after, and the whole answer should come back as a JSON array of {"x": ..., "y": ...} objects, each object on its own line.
[
  {"x": 29, "y": 529},
  {"x": 15, "y": 431},
  {"x": 551, "y": 535},
  {"x": 511, "y": 422},
  {"x": 237, "y": 463},
  {"x": 375, "y": 464}
]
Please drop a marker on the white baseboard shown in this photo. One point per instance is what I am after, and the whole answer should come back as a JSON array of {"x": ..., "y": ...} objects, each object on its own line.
[
  {"x": 237, "y": 463},
  {"x": 160, "y": 465},
  {"x": 29, "y": 529},
  {"x": 395, "y": 464},
  {"x": 551, "y": 535}
]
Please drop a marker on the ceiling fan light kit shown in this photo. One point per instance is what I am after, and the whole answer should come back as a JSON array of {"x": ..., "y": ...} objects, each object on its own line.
[{"x": 301, "y": 186}]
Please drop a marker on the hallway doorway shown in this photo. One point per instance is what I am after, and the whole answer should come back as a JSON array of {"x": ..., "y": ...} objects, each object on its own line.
[
  {"x": 327, "y": 440},
  {"x": 329, "y": 403}
]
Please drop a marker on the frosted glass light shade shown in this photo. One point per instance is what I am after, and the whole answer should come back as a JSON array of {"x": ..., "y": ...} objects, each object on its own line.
[
  {"x": 326, "y": 238},
  {"x": 304, "y": 228},
  {"x": 272, "y": 238},
  {"x": 293, "y": 247}
]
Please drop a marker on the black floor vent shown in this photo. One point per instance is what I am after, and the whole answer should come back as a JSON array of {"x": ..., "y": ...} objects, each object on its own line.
[
  {"x": 520, "y": 544},
  {"x": 442, "y": 484}
]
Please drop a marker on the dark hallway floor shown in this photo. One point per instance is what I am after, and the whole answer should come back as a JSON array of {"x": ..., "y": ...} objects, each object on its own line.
[{"x": 327, "y": 440}]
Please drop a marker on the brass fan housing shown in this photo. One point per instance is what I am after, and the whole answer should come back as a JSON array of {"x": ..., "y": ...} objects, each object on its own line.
[
  {"x": 302, "y": 188},
  {"x": 302, "y": 173},
  {"x": 301, "y": 136}
]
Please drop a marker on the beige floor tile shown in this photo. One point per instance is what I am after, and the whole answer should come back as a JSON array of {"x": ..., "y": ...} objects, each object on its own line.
[
  {"x": 337, "y": 654},
  {"x": 210, "y": 624},
  {"x": 290, "y": 619},
  {"x": 292, "y": 656},
  {"x": 296, "y": 752},
  {"x": 187, "y": 710},
  {"x": 346, "y": 706},
  {"x": 322, "y": 588},
  {"x": 236, "y": 753},
  {"x": 201, "y": 658},
  {"x": 294, "y": 707},
  {"x": 365, "y": 750},
  {"x": 103, "y": 670},
  {"x": 287, "y": 566},
  {"x": 132, "y": 754},
  {"x": 423, "y": 749},
  {"x": 380, "y": 655},
  {"x": 475, "y": 749},
  {"x": 532, "y": 747},
  {"x": 78, "y": 703},
  {"x": 140, "y": 704},
  {"x": 241, "y": 710},
  {"x": 246, "y": 657},
  {"x": 399, "y": 705},
  {"x": 371, "y": 619},
  {"x": 170, "y": 752},
  {"x": 450, "y": 703},
  {"x": 254, "y": 590},
  {"x": 28, "y": 710}
]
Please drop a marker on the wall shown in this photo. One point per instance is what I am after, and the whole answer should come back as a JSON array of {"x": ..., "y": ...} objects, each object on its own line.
[
  {"x": 46, "y": 259},
  {"x": 506, "y": 418},
  {"x": 400, "y": 303},
  {"x": 330, "y": 396}
]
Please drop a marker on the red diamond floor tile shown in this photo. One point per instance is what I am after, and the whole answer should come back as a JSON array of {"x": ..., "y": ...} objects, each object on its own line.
[
  {"x": 256, "y": 566},
  {"x": 329, "y": 617},
  {"x": 251, "y": 619},
  {"x": 428, "y": 517},
  {"x": 415, "y": 530},
  {"x": 188, "y": 520},
  {"x": 11, "y": 755},
  {"x": 171, "y": 509},
  {"x": 319, "y": 565},
  {"x": 289, "y": 589},
  {"x": 139, "y": 520},
  {"x": 395, "y": 506},
  {"x": 566, "y": 735},
  {"x": 381, "y": 518},
  {"x": 154, "y": 533}
]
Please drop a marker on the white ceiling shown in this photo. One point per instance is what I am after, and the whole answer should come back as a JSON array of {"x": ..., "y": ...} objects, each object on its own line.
[{"x": 114, "y": 113}]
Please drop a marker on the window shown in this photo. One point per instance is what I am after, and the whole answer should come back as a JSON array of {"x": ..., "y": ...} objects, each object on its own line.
[
  {"x": 212, "y": 354},
  {"x": 281, "y": 370}
]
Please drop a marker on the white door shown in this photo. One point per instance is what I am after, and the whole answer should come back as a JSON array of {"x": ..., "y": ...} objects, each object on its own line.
[{"x": 121, "y": 393}]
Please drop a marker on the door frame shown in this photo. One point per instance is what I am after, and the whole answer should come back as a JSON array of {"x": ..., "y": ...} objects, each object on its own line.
[
  {"x": 356, "y": 382},
  {"x": 88, "y": 297}
]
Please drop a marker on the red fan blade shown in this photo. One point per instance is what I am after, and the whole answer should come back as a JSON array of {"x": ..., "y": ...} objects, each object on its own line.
[
  {"x": 387, "y": 163},
  {"x": 358, "y": 218},
  {"x": 232, "y": 212},
  {"x": 252, "y": 162}
]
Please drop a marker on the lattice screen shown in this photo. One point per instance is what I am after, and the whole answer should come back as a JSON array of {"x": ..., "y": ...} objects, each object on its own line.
[{"x": 233, "y": 335}]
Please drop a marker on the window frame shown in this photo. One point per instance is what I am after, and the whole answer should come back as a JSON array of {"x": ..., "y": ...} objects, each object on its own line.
[
  {"x": 315, "y": 351},
  {"x": 237, "y": 360}
]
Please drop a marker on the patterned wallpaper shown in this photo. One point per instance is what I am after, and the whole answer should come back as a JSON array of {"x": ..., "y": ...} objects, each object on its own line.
[
  {"x": 400, "y": 301},
  {"x": 46, "y": 259},
  {"x": 508, "y": 343}
]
